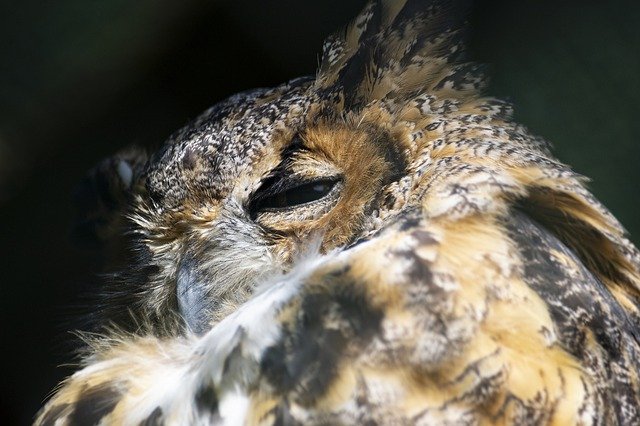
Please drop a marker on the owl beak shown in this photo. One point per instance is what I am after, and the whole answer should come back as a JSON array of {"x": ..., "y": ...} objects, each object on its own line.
[{"x": 192, "y": 300}]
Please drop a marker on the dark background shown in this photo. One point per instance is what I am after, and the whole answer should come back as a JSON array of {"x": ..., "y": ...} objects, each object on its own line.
[{"x": 79, "y": 79}]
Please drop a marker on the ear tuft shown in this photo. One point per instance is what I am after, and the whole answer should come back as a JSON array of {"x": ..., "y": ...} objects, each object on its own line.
[
  {"x": 396, "y": 47},
  {"x": 103, "y": 195}
]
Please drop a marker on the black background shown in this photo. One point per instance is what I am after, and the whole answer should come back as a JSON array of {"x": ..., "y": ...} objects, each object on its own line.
[{"x": 80, "y": 79}]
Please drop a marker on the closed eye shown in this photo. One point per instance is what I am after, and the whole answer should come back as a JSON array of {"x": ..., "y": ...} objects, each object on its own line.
[{"x": 272, "y": 199}]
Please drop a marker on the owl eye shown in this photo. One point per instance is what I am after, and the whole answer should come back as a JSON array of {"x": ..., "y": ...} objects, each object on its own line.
[{"x": 293, "y": 196}]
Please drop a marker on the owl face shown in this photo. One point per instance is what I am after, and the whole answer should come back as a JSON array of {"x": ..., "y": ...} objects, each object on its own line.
[
  {"x": 270, "y": 176},
  {"x": 250, "y": 187}
]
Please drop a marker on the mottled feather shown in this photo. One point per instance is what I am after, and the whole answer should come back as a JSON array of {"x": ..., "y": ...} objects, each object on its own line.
[{"x": 452, "y": 272}]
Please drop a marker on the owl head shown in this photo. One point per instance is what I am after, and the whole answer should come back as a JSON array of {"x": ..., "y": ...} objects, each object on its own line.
[{"x": 394, "y": 119}]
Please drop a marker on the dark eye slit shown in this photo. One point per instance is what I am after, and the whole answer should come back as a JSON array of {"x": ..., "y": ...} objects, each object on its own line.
[
  {"x": 280, "y": 193},
  {"x": 280, "y": 190}
]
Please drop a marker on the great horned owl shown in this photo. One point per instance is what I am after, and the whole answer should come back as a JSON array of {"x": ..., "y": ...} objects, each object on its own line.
[{"x": 376, "y": 244}]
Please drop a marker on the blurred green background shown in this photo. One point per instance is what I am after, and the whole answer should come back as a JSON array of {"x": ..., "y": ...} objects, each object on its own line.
[{"x": 79, "y": 79}]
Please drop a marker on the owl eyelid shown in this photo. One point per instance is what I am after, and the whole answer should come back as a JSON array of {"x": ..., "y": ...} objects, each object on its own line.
[
  {"x": 279, "y": 183},
  {"x": 286, "y": 194}
]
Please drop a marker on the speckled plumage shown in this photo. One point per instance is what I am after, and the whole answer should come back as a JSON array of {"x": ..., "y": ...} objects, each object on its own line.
[{"x": 453, "y": 272}]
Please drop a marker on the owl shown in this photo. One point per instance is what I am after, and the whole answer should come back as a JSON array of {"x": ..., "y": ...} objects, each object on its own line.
[{"x": 379, "y": 243}]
